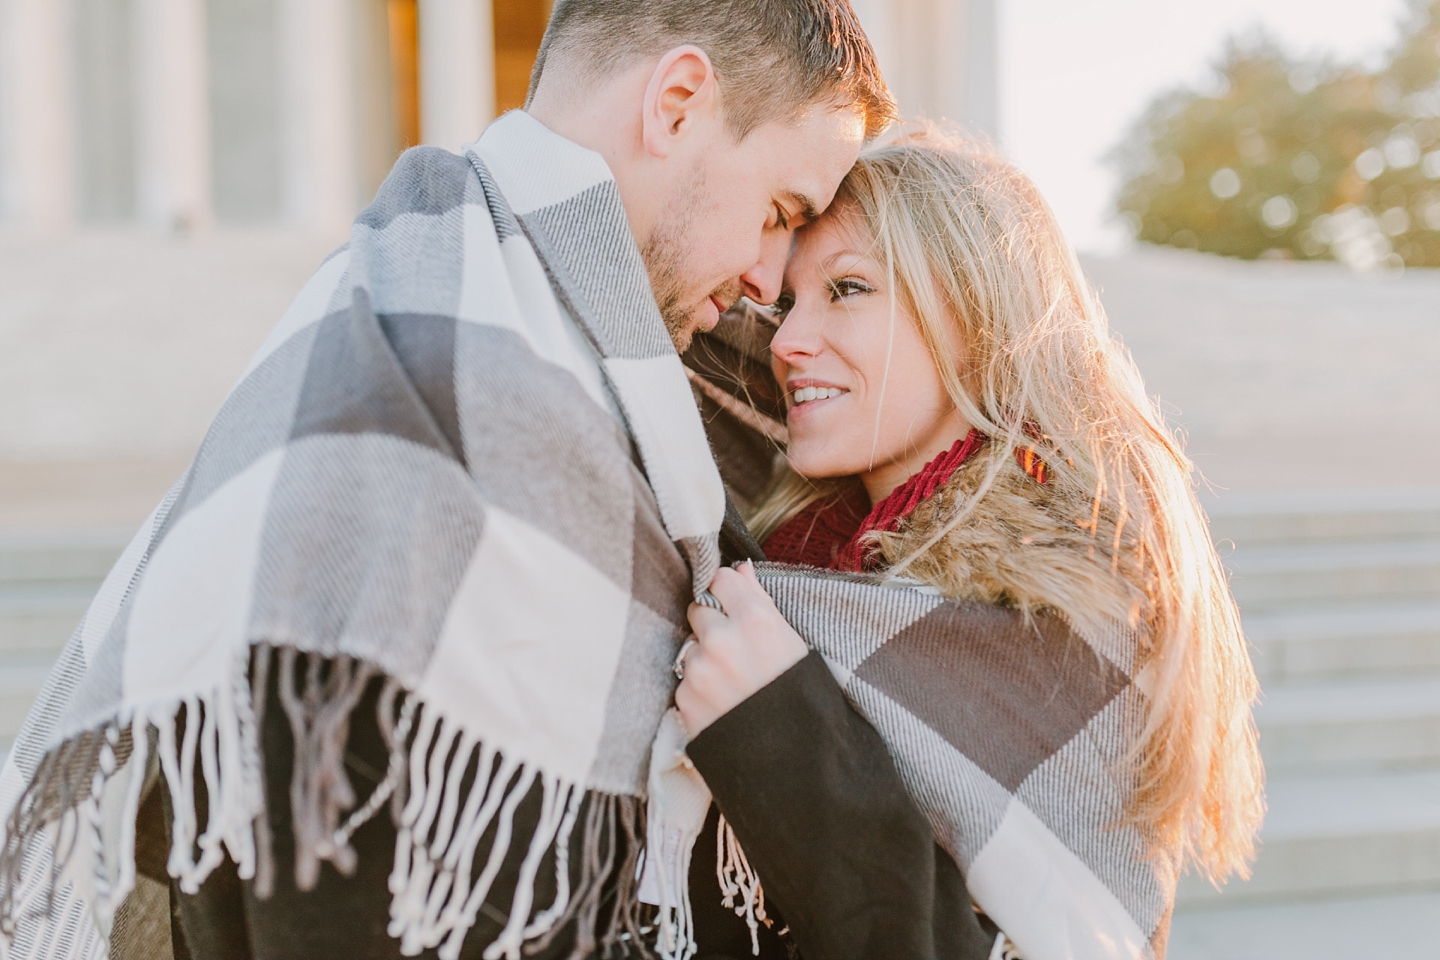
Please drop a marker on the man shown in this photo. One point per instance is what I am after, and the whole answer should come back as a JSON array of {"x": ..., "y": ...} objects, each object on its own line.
[{"x": 435, "y": 552}]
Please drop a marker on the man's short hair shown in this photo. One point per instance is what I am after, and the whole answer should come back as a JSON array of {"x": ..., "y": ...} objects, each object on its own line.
[{"x": 774, "y": 59}]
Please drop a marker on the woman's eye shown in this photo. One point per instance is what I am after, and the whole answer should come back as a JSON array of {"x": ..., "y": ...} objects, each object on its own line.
[
  {"x": 782, "y": 305},
  {"x": 848, "y": 287}
]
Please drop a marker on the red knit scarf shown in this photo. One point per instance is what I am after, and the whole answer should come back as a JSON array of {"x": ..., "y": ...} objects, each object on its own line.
[{"x": 830, "y": 532}]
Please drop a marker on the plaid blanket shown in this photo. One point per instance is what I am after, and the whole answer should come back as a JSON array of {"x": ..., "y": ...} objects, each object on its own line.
[
  {"x": 1010, "y": 736},
  {"x": 428, "y": 472}
]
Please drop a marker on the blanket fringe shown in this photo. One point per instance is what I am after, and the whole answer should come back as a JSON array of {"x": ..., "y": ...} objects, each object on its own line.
[
  {"x": 445, "y": 789},
  {"x": 437, "y": 891},
  {"x": 738, "y": 880},
  {"x": 673, "y": 850},
  {"x": 49, "y": 800},
  {"x": 319, "y": 787}
]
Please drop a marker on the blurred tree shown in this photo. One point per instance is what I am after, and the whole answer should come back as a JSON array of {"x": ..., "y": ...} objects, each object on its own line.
[{"x": 1296, "y": 159}]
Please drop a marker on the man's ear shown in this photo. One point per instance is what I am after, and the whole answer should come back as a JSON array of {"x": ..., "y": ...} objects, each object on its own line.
[{"x": 682, "y": 92}]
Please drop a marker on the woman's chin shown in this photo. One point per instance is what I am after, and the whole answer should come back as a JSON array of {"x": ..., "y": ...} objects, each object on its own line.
[{"x": 819, "y": 465}]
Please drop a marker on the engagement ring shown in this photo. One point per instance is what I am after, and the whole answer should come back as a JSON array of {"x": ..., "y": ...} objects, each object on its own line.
[{"x": 679, "y": 665}]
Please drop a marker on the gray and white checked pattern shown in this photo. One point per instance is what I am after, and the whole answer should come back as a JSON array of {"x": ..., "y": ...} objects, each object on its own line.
[
  {"x": 1010, "y": 736},
  {"x": 430, "y": 468}
]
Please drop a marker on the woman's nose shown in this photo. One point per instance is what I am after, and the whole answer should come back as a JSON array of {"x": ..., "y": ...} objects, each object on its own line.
[{"x": 798, "y": 337}]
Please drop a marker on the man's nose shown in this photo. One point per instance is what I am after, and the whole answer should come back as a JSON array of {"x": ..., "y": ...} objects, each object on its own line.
[{"x": 762, "y": 281}]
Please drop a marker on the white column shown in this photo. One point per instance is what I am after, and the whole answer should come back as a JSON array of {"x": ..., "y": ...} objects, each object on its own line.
[
  {"x": 320, "y": 155},
  {"x": 37, "y": 167},
  {"x": 938, "y": 56},
  {"x": 457, "y": 71},
  {"x": 172, "y": 114},
  {"x": 974, "y": 78},
  {"x": 878, "y": 18},
  {"x": 909, "y": 37}
]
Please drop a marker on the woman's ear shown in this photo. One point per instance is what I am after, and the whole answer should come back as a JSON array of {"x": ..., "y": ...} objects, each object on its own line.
[{"x": 681, "y": 96}]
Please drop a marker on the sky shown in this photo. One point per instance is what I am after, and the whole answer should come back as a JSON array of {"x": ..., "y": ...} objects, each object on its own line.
[{"x": 1075, "y": 74}]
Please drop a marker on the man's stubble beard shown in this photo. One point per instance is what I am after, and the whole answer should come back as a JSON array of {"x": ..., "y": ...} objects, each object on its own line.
[
  {"x": 664, "y": 256},
  {"x": 667, "y": 255}
]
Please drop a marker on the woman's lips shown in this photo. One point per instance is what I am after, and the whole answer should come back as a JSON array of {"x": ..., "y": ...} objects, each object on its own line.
[{"x": 807, "y": 395}]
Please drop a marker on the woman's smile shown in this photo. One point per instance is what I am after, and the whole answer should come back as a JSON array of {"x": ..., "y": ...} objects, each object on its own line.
[{"x": 805, "y": 395}]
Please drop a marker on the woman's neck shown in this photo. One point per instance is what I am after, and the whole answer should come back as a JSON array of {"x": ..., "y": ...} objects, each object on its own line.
[{"x": 881, "y": 481}]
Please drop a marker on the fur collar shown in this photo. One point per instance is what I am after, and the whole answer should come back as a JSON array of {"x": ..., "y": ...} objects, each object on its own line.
[{"x": 1022, "y": 544}]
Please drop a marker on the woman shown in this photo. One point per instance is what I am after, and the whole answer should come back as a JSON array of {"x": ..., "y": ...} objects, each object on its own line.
[{"x": 960, "y": 417}]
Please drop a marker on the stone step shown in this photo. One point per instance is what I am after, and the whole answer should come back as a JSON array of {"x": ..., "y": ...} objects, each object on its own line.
[
  {"x": 40, "y": 618},
  {"x": 1339, "y": 834},
  {"x": 69, "y": 556},
  {"x": 47, "y": 579},
  {"x": 1354, "y": 928},
  {"x": 1357, "y": 639},
  {"x": 1324, "y": 515},
  {"x": 1269, "y": 577},
  {"x": 20, "y": 681},
  {"x": 1350, "y": 725}
]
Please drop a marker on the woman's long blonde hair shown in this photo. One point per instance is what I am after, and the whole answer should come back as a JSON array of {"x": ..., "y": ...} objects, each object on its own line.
[{"x": 1024, "y": 349}]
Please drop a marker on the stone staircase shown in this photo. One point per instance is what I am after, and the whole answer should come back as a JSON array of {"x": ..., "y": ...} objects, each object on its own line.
[
  {"x": 46, "y": 582},
  {"x": 1340, "y": 596}
]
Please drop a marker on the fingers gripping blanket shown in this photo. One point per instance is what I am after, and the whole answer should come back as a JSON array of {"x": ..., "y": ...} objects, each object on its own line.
[
  {"x": 428, "y": 473},
  {"x": 1011, "y": 737}
]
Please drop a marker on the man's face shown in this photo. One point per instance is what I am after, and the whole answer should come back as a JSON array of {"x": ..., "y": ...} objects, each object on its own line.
[{"x": 725, "y": 231}]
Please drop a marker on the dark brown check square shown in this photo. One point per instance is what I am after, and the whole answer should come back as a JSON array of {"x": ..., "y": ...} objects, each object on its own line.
[{"x": 1005, "y": 693}]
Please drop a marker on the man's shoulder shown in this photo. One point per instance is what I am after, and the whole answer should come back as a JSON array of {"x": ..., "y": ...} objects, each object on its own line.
[{"x": 425, "y": 180}]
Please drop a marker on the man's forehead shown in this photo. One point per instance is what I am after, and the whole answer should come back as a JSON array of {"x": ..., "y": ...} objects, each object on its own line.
[{"x": 815, "y": 150}]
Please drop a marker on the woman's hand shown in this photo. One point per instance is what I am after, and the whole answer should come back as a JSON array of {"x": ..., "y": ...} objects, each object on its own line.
[{"x": 738, "y": 651}]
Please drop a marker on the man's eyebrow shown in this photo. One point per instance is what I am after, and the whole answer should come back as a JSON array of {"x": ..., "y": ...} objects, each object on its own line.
[{"x": 808, "y": 208}]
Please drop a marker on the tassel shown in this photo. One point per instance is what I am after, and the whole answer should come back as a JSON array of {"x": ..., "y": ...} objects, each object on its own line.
[
  {"x": 491, "y": 797},
  {"x": 739, "y": 880},
  {"x": 625, "y": 919},
  {"x": 597, "y": 858},
  {"x": 319, "y": 787},
  {"x": 90, "y": 813},
  {"x": 546, "y": 919},
  {"x": 460, "y": 925},
  {"x": 679, "y": 801},
  {"x": 388, "y": 788},
  {"x": 139, "y": 758},
  {"x": 1004, "y": 949},
  {"x": 552, "y": 812},
  {"x": 264, "y": 855}
]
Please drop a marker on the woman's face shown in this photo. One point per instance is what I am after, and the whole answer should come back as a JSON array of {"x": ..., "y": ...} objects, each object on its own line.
[{"x": 849, "y": 412}]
